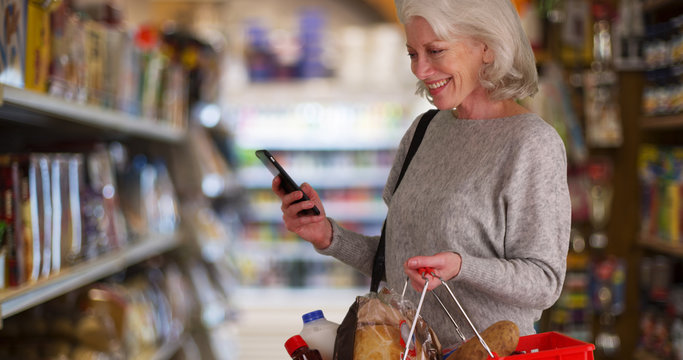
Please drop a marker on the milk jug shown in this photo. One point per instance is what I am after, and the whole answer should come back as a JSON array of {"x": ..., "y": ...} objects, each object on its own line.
[{"x": 319, "y": 333}]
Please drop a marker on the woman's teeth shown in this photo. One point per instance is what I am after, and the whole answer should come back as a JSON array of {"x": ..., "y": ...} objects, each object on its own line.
[{"x": 437, "y": 84}]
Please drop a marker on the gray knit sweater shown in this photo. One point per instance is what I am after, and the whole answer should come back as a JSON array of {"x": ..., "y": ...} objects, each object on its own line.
[{"x": 494, "y": 191}]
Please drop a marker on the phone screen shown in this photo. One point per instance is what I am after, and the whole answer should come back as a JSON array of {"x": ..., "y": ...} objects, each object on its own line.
[{"x": 287, "y": 184}]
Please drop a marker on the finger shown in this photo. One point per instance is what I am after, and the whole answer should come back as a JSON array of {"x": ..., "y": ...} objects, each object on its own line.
[
  {"x": 276, "y": 187},
  {"x": 310, "y": 192},
  {"x": 290, "y": 199}
]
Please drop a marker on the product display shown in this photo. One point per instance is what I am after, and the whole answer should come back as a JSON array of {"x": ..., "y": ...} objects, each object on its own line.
[{"x": 128, "y": 317}]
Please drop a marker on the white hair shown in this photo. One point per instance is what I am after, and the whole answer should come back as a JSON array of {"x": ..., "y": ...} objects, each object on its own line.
[{"x": 512, "y": 74}]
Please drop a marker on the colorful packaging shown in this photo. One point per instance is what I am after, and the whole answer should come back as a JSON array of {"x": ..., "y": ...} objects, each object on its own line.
[
  {"x": 13, "y": 42},
  {"x": 37, "y": 47},
  {"x": 95, "y": 52}
]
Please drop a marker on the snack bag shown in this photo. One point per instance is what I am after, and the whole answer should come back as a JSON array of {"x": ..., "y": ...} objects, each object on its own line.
[{"x": 376, "y": 327}]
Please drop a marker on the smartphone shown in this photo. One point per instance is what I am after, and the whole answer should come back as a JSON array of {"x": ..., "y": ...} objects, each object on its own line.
[{"x": 286, "y": 183}]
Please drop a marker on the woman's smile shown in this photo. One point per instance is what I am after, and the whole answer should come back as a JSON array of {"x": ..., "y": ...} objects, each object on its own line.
[{"x": 436, "y": 86}]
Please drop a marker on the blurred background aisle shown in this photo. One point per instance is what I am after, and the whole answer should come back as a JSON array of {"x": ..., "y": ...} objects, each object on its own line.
[{"x": 138, "y": 224}]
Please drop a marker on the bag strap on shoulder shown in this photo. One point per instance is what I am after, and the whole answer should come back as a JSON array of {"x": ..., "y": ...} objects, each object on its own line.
[{"x": 378, "y": 265}]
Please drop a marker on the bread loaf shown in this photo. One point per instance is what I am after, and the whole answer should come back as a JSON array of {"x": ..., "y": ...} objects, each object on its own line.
[
  {"x": 377, "y": 342},
  {"x": 501, "y": 337}
]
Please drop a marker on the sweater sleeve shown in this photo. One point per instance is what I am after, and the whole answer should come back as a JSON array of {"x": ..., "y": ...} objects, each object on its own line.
[{"x": 538, "y": 220}]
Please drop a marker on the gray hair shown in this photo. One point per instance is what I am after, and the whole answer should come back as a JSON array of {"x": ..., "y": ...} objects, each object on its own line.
[{"x": 512, "y": 74}]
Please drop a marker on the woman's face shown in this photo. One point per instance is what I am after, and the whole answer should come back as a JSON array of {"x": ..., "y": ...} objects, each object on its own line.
[{"x": 449, "y": 69}]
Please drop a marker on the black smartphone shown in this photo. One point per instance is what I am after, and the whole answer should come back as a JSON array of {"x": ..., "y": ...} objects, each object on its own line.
[{"x": 287, "y": 184}]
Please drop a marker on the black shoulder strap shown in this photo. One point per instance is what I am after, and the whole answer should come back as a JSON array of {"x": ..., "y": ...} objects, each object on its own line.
[{"x": 378, "y": 267}]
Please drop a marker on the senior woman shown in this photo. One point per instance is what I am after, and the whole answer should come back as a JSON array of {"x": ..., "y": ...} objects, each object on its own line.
[{"x": 484, "y": 201}]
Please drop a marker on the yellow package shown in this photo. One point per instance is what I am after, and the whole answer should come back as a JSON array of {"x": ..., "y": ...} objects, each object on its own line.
[{"x": 37, "y": 47}]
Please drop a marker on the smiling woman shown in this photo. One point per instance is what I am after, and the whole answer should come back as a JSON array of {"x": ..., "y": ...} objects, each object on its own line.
[
  {"x": 513, "y": 73},
  {"x": 485, "y": 201}
]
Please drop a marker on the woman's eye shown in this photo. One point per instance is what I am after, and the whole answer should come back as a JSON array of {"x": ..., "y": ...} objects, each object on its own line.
[
  {"x": 435, "y": 51},
  {"x": 412, "y": 55}
]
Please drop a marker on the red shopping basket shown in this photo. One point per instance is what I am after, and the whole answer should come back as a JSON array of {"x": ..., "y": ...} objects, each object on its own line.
[
  {"x": 544, "y": 346},
  {"x": 551, "y": 346}
]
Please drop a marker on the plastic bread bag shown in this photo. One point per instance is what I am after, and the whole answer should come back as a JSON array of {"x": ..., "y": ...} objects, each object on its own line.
[{"x": 376, "y": 327}]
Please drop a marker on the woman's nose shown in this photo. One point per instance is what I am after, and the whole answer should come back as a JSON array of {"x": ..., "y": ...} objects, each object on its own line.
[{"x": 422, "y": 68}]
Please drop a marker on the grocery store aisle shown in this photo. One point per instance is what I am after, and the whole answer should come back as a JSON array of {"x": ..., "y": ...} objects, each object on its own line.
[{"x": 269, "y": 316}]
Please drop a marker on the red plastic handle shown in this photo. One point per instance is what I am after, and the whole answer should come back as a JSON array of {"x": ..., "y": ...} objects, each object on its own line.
[{"x": 425, "y": 270}]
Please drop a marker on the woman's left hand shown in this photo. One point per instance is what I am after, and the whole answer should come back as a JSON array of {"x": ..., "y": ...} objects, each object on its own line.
[{"x": 446, "y": 265}]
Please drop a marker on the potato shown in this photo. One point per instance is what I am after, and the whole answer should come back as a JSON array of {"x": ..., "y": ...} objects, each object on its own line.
[{"x": 501, "y": 337}]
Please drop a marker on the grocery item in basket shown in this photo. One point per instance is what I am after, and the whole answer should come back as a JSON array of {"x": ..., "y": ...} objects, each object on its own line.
[
  {"x": 378, "y": 342},
  {"x": 319, "y": 333},
  {"x": 502, "y": 338},
  {"x": 377, "y": 327},
  {"x": 298, "y": 349}
]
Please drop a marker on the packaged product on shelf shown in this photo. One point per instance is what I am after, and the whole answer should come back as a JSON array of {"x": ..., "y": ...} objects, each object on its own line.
[
  {"x": 95, "y": 49},
  {"x": 59, "y": 217},
  {"x": 114, "y": 38},
  {"x": 127, "y": 85},
  {"x": 67, "y": 78},
  {"x": 36, "y": 215},
  {"x": 37, "y": 47},
  {"x": 173, "y": 107},
  {"x": 13, "y": 42},
  {"x": 103, "y": 205},
  {"x": 153, "y": 65},
  {"x": 41, "y": 198},
  {"x": 13, "y": 234},
  {"x": 149, "y": 202},
  {"x": 661, "y": 180}
]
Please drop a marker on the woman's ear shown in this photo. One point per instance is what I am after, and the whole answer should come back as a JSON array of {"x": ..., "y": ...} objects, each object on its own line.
[{"x": 487, "y": 55}]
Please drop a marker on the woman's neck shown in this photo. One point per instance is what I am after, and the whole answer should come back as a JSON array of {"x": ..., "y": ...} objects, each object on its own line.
[{"x": 480, "y": 107}]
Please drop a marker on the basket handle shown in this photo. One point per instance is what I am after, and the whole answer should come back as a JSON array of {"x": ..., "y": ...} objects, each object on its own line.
[{"x": 424, "y": 271}]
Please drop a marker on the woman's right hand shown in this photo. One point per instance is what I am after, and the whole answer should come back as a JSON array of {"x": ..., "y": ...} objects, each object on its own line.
[{"x": 315, "y": 229}]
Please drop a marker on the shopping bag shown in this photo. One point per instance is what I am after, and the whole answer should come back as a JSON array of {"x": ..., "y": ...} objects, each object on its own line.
[{"x": 377, "y": 326}]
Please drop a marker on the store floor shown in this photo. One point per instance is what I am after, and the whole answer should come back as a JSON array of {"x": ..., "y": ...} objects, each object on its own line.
[{"x": 269, "y": 316}]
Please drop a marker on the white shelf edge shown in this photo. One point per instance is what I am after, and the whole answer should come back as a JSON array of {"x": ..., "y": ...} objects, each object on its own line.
[
  {"x": 13, "y": 301},
  {"x": 365, "y": 211},
  {"x": 258, "y": 177},
  {"x": 91, "y": 115}
]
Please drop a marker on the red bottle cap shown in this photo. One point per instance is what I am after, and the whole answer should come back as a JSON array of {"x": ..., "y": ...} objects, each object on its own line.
[{"x": 294, "y": 343}]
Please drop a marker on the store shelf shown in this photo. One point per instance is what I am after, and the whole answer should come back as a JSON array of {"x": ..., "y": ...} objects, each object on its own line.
[
  {"x": 355, "y": 211},
  {"x": 30, "y": 107},
  {"x": 654, "y": 5},
  {"x": 258, "y": 177},
  {"x": 13, "y": 301},
  {"x": 302, "y": 142},
  {"x": 321, "y": 90},
  {"x": 283, "y": 250},
  {"x": 663, "y": 247},
  {"x": 662, "y": 122}
]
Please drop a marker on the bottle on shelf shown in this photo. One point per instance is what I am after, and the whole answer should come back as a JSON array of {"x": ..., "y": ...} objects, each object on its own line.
[
  {"x": 319, "y": 333},
  {"x": 298, "y": 349}
]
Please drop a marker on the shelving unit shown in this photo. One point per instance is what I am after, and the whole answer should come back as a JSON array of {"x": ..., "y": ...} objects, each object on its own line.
[
  {"x": 23, "y": 106},
  {"x": 660, "y": 246},
  {"x": 662, "y": 122},
  {"x": 13, "y": 301},
  {"x": 44, "y": 113}
]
